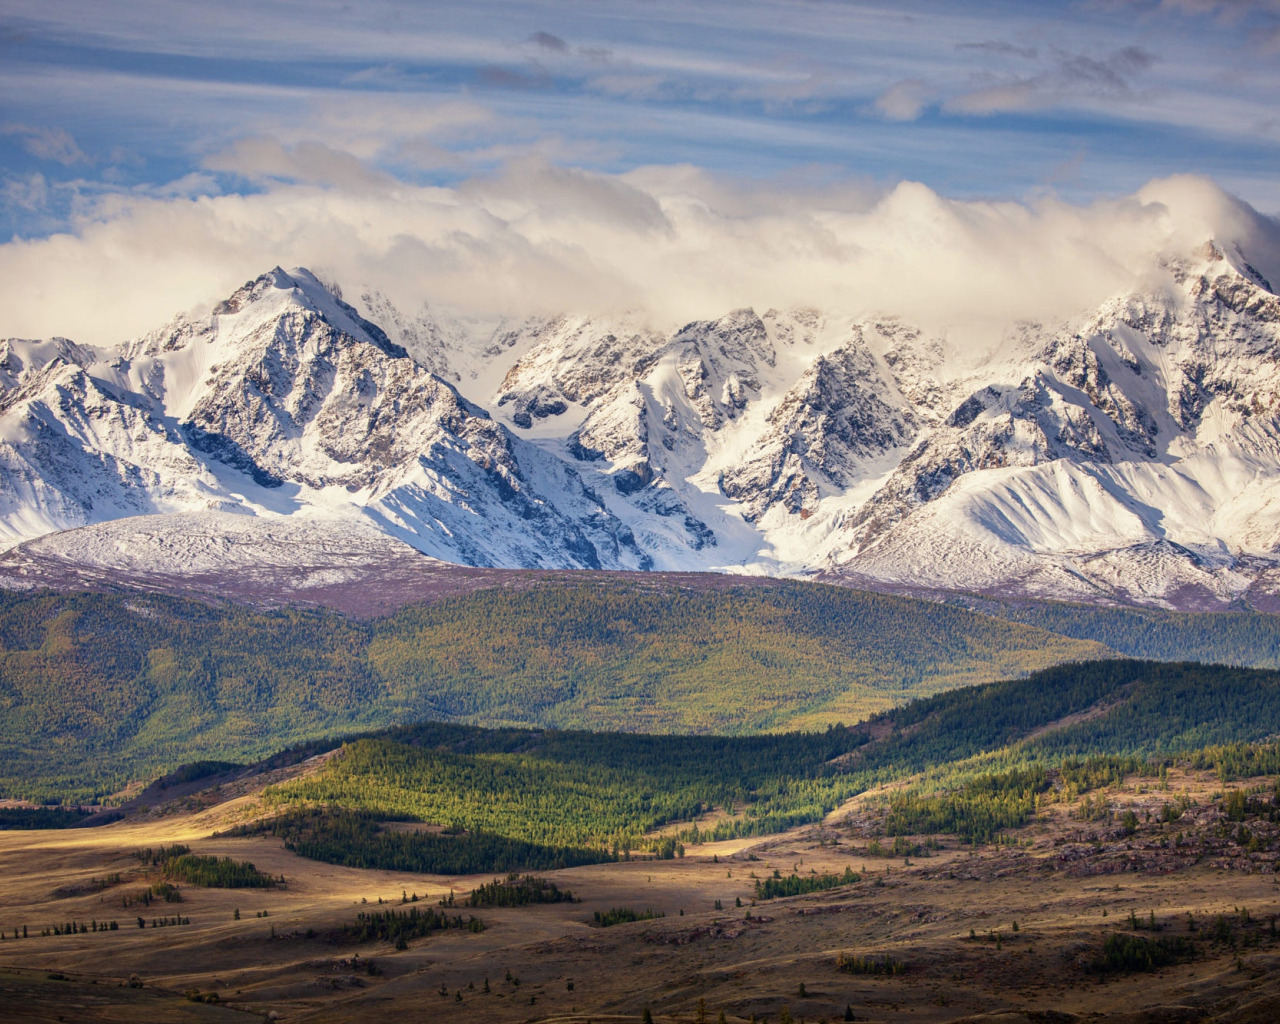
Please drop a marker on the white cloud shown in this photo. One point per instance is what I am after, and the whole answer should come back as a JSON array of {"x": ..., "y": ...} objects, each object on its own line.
[
  {"x": 903, "y": 101},
  {"x": 675, "y": 241},
  {"x": 309, "y": 162},
  {"x": 408, "y": 90},
  {"x": 29, "y": 193}
]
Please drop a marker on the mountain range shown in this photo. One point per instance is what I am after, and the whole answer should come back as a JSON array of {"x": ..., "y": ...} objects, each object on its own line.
[{"x": 1127, "y": 453}]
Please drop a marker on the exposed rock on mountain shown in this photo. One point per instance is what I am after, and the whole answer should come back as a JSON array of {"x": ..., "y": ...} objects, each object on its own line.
[{"x": 841, "y": 414}]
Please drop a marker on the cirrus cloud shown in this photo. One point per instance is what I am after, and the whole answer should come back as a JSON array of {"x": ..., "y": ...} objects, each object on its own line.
[{"x": 46, "y": 143}]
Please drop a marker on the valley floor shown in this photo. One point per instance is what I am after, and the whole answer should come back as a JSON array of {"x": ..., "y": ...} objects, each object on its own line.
[{"x": 947, "y": 921}]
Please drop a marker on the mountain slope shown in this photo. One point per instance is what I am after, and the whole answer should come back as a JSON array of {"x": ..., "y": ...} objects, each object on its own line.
[
  {"x": 595, "y": 790},
  {"x": 285, "y": 399},
  {"x": 1128, "y": 453}
]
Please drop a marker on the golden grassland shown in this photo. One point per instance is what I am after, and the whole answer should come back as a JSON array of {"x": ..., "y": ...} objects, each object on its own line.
[{"x": 947, "y": 919}]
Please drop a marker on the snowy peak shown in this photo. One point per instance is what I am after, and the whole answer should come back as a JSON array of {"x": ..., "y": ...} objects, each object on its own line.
[
  {"x": 1233, "y": 261},
  {"x": 841, "y": 414},
  {"x": 573, "y": 361},
  {"x": 722, "y": 362},
  {"x": 1134, "y": 453},
  {"x": 20, "y": 357},
  {"x": 247, "y": 316},
  {"x": 435, "y": 343},
  {"x": 286, "y": 398},
  {"x": 300, "y": 288},
  {"x": 1130, "y": 452},
  {"x": 304, "y": 387}
]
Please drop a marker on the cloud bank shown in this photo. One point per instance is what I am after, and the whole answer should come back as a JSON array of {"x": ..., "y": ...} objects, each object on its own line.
[{"x": 676, "y": 242}]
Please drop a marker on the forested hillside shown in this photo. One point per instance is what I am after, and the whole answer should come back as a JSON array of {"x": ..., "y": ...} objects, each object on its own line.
[
  {"x": 987, "y": 749},
  {"x": 1223, "y": 638},
  {"x": 101, "y": 689},
  {"x": 646, "y": 658}
]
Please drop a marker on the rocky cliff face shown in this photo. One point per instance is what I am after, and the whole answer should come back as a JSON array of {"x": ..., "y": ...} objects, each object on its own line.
[
  {"x": 1130, "y": 452},
  {"x": 841, "y": 415}
]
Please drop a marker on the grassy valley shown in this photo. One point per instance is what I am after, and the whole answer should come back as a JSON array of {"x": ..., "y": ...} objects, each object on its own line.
[
  {"x": 101, "y": 690},
  {"x": 980, "y": 757},
  {"x": 824, "y": 820}
]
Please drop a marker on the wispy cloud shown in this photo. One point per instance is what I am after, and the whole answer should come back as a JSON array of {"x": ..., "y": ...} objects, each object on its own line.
[
  {"x": 974, "y": 97},
  {"x": 30, "y": 193},
  {"x": 549, "y": 42},
  {"x": 1258, "y": 21},
  {"x": 903, "y": 101},
  {"x": 54, "y": 144},
  {"x": 1001, "y": 48},
  {"x": 314, "y": 163},
  {"x": 1070, "y": 77},
  {"x": 1230, "y": 9},
  {"x": 507, "y": 78}
]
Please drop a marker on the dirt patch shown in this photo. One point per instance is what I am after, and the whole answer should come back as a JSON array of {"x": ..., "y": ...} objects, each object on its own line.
[{"x": 1088, "y": 715}]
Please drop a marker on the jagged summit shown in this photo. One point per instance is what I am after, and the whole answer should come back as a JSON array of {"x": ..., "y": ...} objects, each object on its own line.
[
  {"x": 303, "y": 288},
  {"x": 1130, "y": 451}
]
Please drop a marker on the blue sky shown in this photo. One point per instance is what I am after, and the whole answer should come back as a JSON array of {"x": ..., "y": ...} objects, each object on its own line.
[
  {"x": 111, "y": 106},
  {"x": 973, "y": 99}
]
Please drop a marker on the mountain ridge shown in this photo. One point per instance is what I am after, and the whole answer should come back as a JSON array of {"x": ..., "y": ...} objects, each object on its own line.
[{"x": 1128, "y": 454}]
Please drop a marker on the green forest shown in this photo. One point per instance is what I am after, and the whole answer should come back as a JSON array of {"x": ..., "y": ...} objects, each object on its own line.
[
  {"x": 357, "y": 839},
  {"x": 99, "y": 690},
  {"x": 1221, "y": 638},
  {"x": 178, "y": 862},
  {"x": 557, "y": 797},
  {"x": 516, "y": 891}
]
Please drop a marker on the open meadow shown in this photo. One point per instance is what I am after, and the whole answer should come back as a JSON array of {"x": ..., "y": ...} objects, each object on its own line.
[{"x": 1118, "y": 918}]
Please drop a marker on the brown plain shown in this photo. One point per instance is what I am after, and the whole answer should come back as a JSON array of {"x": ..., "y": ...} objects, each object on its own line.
[{"x": 948, "y": 919}]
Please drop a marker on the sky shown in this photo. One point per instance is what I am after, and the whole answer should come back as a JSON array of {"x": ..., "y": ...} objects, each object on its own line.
[{"x": 154, "y": 153}]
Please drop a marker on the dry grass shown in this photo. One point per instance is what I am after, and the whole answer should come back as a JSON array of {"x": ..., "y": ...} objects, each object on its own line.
[{"x": 920, "y": 915}]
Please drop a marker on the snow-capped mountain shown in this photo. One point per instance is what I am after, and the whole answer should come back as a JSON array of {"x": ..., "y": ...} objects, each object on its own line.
[
  {"x": 286, "y": 401},
  {"x": 1129, "y": 452}
]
